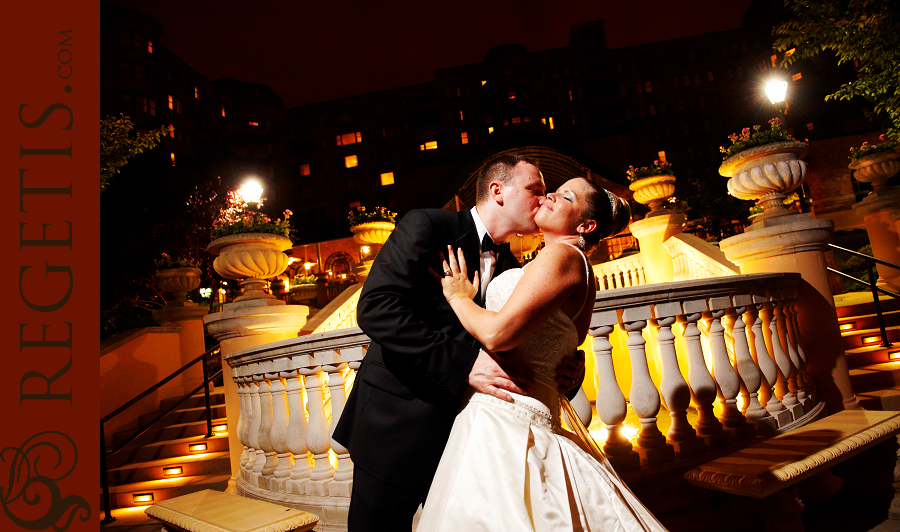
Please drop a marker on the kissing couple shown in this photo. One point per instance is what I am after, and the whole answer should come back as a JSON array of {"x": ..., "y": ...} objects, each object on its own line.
[{"x": 457, "y": 403}]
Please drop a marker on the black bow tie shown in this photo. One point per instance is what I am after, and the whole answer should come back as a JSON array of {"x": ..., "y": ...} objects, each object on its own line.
[{"x": 488, "y": 245}]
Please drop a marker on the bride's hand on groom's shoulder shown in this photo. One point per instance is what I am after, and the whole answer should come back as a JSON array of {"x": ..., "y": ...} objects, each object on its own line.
[{"x": 455, "y": 281}]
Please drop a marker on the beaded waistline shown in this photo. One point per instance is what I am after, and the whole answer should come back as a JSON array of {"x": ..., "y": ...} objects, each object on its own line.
[{"x": 536, "y": 415}]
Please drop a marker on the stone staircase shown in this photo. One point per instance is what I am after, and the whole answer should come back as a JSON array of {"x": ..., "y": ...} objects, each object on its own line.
[
  {"x": 172, "y": 459},
  {"x": 874, "y": 370}
]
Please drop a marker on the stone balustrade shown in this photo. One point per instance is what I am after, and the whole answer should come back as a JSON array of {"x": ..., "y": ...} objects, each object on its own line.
[
  {"x": 694, "y": 258},
  {"x": 724, "y": 356},
  {"x": 620, "y": 273}
]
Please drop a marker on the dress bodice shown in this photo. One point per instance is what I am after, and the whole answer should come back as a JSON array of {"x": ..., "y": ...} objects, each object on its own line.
[{"x": 543, "y": 350}]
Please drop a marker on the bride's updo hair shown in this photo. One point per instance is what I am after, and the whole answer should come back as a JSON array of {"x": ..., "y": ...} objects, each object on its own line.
[{"x": 611, "y": 213}]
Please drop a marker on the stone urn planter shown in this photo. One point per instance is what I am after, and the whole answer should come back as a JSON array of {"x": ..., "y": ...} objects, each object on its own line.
[
  {"x": 766, "y": 174},
  {"x": 303, "y": 292},
  {"x": 876, "y": 169},
  {"x": 372, "y": 233},
  {"x": 654, "y": 191},
  {"x": 253, "y": 257},
  {"x": 178, "y": 281}
]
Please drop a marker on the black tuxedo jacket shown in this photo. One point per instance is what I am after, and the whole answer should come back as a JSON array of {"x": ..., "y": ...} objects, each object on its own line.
[{"x": 409, "y": 387}]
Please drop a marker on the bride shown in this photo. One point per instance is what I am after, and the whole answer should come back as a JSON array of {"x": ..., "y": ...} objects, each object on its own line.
[{"x": 508, "y": 465}]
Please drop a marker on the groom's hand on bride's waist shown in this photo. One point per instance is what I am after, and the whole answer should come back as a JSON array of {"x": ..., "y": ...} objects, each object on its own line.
[
  {"x": 488, "y": 376},
  {"x": 570, "y": 372}
]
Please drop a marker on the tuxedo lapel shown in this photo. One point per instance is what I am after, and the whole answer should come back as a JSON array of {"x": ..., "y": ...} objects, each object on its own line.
[{"x": 468, "y": 241}]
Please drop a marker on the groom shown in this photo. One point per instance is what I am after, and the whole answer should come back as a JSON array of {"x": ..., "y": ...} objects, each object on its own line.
[{"x": 409, "y": 387}]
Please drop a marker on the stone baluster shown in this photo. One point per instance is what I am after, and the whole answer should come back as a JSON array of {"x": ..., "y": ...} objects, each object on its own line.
[
  {"x": 280, "y": 419},
  {"x": 782, "y": 362},
  {"x": 244, "y": 419},
  {"x": 265, "y": 429},
  {"x": 644, "y": 397},
  {"x": 745, "y": 366},
  {"x": 317, "y": 433},
  {"x": 343, "y": 474},
  {"x": 253, "y": 431},
  {"x": 781, "y": 298},
  {"x": 296, "y": 432},
  {"x": 723, "y": 371},
  {"x": 804, "y": 395},
  {"x": 759, "y": 350},
  {"x": 611, "y": 405},
  {"x": 703, "y": 386},
  {"x": 674, "y": 390}
]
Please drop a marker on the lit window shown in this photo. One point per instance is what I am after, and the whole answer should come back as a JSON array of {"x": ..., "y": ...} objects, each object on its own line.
[
  {"x": 550, "y": 121},
  {"x": 709, "y": 75},
  {"x": 464, "y": 137},
  {"x": 350, "y": 161},
  {"x": 152, "y": 107},
  {"x": 178, "y": 106},
  {"x": 797, "y": 77},
  {"x": 696, "y": 78},
  {"x": 809, "y": 126},
  {"x": 348, "y": 138},
  {"x": 223, "y": 110},
  {"x": 141, "y": 102},
  {"x": 648, "y": 87},
  {"x": 196, "y": 93},
  {"x": 150, "y": 45},
  {"x": 516, "y": 119},
  {"x": 506, "y": 122},
  {"x": 430, "y": 145},
  {"x": 773, "y": 58},
  {"x": 652, "y": 110},
  {"x": 570, "y": 96},
  {"x": 172, "y": 104},
  {"x": 528, "y": 119},
  {"x": 661, "y": 155},
  {"x": 254, "y": 123},
  {"x": 172, "y": 156},
  {"x": 461, "y": 116},
  {"x": 490, "y": 129},
  {"x": 387, "y": 178},
  {"x": 637, "y": 88},
  {"x": 304, "y": 169},
  {"x": 172, "y": 130},
  {"x": 483, "y": 82},
  {"x": 511, "y": 95},
  {"x": 458, "y": 94},
  {"x": 543, "y": 120}
]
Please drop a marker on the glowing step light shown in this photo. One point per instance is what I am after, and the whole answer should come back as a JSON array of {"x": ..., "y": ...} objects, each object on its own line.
[
  {"x": 848, "y": 326},
  {"x": 871, "y": 339},
  {"x": 172, "y": 471},
  {"x": 139, "y": 498},
  {"x": 894, "y": 355},
  {"x": 197, "y": 447}
]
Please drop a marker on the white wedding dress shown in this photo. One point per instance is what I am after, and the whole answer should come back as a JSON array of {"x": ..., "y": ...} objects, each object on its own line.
[{"x": 510, "y": 467}]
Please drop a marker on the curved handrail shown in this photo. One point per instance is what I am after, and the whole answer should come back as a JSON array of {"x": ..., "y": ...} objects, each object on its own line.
[{"x": 870, "y": 260}]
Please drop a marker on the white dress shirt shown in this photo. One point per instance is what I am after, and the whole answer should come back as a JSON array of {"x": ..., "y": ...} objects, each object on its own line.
[{"x": 488, "y": 260}]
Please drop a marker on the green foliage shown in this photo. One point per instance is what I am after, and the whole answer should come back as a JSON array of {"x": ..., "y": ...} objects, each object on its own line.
[
  {"x": 855, "y": 266},
  {"x": 165, "y": 262},
  {"x": 379, "y": 214},
  {"x": 658, "y": 168},
  {"x": 119, "y": 143},
  {"x": 757, "y": 137},
  {"x": 862, "y": 32},
  {"x": 304, "y": 280}
]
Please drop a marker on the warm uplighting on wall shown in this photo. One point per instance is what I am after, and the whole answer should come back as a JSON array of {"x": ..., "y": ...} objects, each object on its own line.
[
  {"x": 142, "y": 497},
  {"x": 197, "y": 447},
  {"x": 172, "y": 471},
  {"x": 351, "y": 161},
  {"x": 387, "y": 178},
  {"x": 849, "y": 326}
]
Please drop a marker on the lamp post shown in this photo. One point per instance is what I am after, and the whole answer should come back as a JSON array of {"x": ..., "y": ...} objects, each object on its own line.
[
  {"x": 251, "y": 192},
  {"x": 776, "y": 90}
]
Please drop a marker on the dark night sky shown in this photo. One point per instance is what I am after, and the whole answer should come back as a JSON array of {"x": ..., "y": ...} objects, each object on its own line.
[{"x": 309, "y": 51}]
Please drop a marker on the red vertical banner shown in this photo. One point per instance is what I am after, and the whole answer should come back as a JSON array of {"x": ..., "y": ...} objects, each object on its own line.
[{"x": 49, "y": 260}]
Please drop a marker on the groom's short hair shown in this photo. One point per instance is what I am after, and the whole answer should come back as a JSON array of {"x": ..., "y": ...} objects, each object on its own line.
[{"x": 498, "y": 169}]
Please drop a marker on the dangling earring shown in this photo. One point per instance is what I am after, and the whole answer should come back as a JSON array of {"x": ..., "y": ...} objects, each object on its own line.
[{"x": 581, "y": 242}]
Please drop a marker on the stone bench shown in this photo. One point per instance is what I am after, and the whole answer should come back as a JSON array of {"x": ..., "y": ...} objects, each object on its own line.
[
  {"x": 214, "y": 511},
  {"x": 768, "y": 467}
]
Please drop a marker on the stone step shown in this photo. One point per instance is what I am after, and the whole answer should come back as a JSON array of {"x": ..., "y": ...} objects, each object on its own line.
[
  {"x": 869, "y": 337},
  {"x": 185, "y": 414},
  {"x": 216, "y": 396},
  {"x": 868, "y": 321},
  {"x": 123, "y": 496},
  {"x": 190, "y": 466},
  {"x": 861, "y": 303},
  {"x": 888, "y": 399},
  {"x": 875, "y": 377},
  {"x": 871, "y": 354},
  {"x": 169, "y": 449},
  {"x": 171, "y": 432}
]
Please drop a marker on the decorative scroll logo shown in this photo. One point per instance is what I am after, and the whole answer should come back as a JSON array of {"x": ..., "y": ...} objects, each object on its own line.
[{"x": 31, "y": 499}]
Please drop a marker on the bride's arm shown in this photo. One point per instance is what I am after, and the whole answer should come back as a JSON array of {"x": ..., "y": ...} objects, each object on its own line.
[{"x": 545, "y": 285}]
